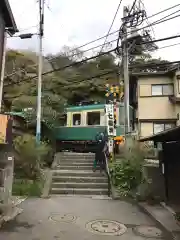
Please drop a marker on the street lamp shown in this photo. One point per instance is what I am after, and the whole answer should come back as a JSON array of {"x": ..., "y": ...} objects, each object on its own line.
[{"x": 26, "y": 35}]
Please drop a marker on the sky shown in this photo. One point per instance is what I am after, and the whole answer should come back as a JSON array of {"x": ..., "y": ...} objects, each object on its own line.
[{"x": 76, "y": 22}]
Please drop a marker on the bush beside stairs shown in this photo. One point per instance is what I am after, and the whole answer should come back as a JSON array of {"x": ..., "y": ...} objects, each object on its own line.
[{"x": 73, "y": 175}]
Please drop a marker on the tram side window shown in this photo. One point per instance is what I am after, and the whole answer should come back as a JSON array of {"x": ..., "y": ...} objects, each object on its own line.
[
  {"x": 76, "y": 119},
  {"x": 93, "y": 118}
]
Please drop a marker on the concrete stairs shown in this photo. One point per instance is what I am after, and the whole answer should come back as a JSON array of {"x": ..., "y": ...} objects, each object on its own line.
[{"x": 74, "y": 175}]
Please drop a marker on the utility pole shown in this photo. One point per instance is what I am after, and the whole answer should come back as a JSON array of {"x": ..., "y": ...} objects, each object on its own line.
[
  {"x": 3, "y": 69},
  {"x": 39, "y": 85},
  {"x": 126, "y": 73}
]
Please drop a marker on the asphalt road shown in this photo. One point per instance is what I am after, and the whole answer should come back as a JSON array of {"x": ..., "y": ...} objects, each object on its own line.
[{"x": 80, "y": 218}]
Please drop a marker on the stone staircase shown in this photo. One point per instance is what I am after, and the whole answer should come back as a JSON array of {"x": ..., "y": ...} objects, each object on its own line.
[{"x": 74, "y": 175}]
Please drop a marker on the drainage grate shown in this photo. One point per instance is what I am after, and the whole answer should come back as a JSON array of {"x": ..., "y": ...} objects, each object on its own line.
[
  {"x": 148, "y": 231},
  {"x": 106, "y": 227},
  {"x": 67, "y": 218}
]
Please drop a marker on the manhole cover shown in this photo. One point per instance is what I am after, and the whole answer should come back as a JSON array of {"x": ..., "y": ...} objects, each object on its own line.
[
  {"x": 106, "y": 227},
  {"x": 67, "y": 218},
  {"x": 148, "y": 231}
]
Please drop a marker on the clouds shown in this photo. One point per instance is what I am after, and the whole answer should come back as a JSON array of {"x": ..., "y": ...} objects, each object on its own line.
[{"x": 70, "y": 22}]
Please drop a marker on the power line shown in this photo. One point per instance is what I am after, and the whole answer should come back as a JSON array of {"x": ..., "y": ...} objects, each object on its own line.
[
  {"x": 101, "y": 54},
  {"x": 63, "y": 68},
  {"x": 155, "y": 40},
  {"x": 92, "y": 48},
  {"x": 146, "y": 18},
  {"x": 117, "y": 10},
  {"x": 156, "y": 22},
  {"x": 172, "y": 45},
  {"x": 165, "y": 10},
  {"x": 76, "y": 63},
  {"x": 19, "y": 71},
  {"x": 89, "y": 78},
  {"x": 89, "y": 49},
  {"x": 159, "y": 21},
  {"x": 103, "y": 74},
  {"x": 152, "y": 24},
  {"x": 118, "y": 31},
  {"x": 53, "y": 58},
  {"x": 167, "y": 16},
  {"x": 116, "y": 71},
  {"x": 164, "y": 19},
  {"x": 133, "y": 5},
  {"x": 167, "y": 46},
  {"x": 160, "y": 40},
  {"x": 90, "y": 58},
  {"x": 106, "y": 73}
]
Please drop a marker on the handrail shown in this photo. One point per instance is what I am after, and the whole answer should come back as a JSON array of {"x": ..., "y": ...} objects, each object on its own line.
[{"x": 108, "y": 174}]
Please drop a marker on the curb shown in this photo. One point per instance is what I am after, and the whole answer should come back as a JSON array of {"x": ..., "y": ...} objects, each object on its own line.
[
  {"x": 168, "y": 233},
  {"x": 15, "y": 211},
  {"x": 47, "y": 184},
  {"x": 18, "y": 201}
]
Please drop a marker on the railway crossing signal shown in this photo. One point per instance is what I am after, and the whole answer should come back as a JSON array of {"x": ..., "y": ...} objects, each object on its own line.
[
  {"x": 119, "y": 140},
  {"x": 113, "y": 96}
]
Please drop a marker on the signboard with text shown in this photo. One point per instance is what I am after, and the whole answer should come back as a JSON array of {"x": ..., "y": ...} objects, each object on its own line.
[{"x": 110, "y": 119}]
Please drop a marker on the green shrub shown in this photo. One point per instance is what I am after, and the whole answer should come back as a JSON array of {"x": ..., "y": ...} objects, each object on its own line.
[
  {"x": 177, "y": 216},
  {"x": 22, "y": 187},
  {"x": 30, "y": 157},
  {"x": 127, "y": 172}
]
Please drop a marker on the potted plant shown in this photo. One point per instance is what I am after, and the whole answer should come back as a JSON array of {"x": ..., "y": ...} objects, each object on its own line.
[{"x": 177, "y": 217}]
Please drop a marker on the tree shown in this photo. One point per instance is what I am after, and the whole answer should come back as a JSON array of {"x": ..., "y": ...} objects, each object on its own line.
[
  {"x": 68, "y": 86},
  {"x": 21, "y": 93},
  {"x": 72, "y": 79}
]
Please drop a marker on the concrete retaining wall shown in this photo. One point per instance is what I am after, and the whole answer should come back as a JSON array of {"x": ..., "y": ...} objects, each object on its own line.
[
  {"x": 153, "y": 171},
  {"x": 6, "y": 177}
]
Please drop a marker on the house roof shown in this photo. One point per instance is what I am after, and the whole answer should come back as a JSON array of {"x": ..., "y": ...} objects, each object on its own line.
[
  {"x": 88, "y": 107},
  {"x": 168, "y": 72},
  {"x": 8, "y": 17},
  {"x": 169, "y": 135},
  {"x": 148, "y": 74},
  {"x": 85, "y": 107}
]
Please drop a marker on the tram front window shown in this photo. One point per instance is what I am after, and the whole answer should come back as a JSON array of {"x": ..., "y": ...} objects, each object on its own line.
[
  {"x": 76, "y": 119},
  {"x": 93, "y": 118}
]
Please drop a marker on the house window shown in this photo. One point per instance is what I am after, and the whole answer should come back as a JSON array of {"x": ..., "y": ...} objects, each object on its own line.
[
  {"x": 159, "y": 127},
  {"x": 93, "y": 118},
  {"x": 162, "y": 90},
  {"x": 76, "y": 119}
]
